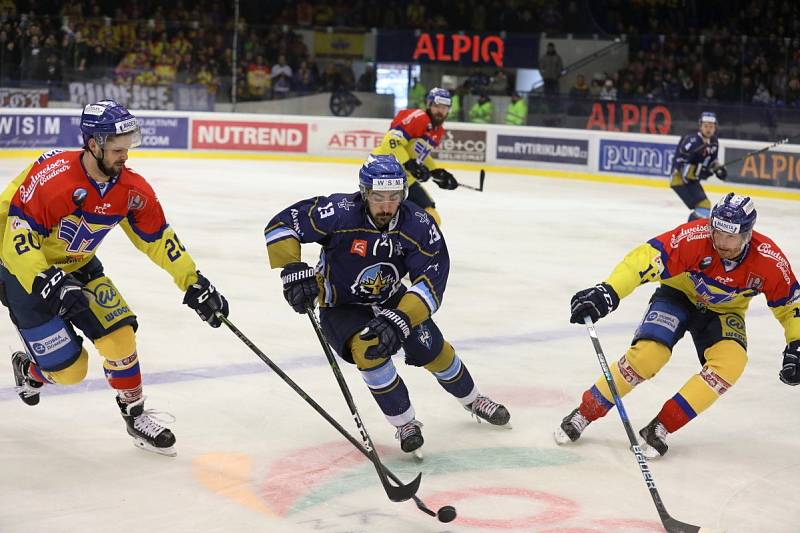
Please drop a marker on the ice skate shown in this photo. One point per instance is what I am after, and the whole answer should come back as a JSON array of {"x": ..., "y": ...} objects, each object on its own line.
[
  {"x": 654, "y": 435},
  {"x": 484, "y": 408},
  {"x": 571, "y": 428},
  {"x": 27, "y": 388},
  {"x": 145, "y": 429},
  {"x": 410, "y": 436}
]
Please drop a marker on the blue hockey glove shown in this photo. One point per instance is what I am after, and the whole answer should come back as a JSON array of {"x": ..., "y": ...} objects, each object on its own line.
[
  {"x": 444, "y": 179},
  {"x": 418, "y": 170},
  {"x": 61, "y": 292},
  {"x": 391, "y": 327},
  {"x": 299, "y": 286},
  {"x": 595, "y": 302},
  {"x": 790, "y": 373},
  {"x": 206, "y": 300}
]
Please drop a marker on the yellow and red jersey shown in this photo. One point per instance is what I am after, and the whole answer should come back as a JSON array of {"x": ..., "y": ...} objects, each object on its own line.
[
  {"x": 684, "y": 258},
  {"x": 412, "y": 136},
  {"x": 54, "y": 214}
]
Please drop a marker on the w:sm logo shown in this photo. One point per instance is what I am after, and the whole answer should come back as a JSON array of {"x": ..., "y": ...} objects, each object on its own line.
[{"x": 79, "y": 236}]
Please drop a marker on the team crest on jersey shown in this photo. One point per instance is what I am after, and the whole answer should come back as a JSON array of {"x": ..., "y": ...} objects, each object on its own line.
[
  {"x": 376, "y": 282},
  {"x": 80, "y": 236},
  {"x": 754, "y": 282},
  {"x": 423, "y": 218},
  {"x": 707, "y": 294},
  {"x": 136, "y": 200},
  {"x": 346, "y": 204}
]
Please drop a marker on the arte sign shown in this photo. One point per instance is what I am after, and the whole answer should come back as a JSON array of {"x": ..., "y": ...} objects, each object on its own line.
[
  {"x": 612, "y": 116},
  {"x": 355, "y": 140}
]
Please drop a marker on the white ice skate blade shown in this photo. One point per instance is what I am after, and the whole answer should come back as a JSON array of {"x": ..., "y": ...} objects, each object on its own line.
[
  {"x": 146, "y": 446},
  {"x": 561, "y": 437},
  {"x": 650, "y": 452}
]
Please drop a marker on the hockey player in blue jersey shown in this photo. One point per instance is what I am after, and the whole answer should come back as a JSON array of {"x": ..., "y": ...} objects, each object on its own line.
[
  {"x": 370, "y": 240},
  {"x": 696, "y": 160}
]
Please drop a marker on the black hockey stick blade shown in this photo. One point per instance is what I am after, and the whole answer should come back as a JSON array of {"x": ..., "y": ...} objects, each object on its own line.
[
  {"x": 479, "y": 188},
  {"x": 401, "y": 493}
]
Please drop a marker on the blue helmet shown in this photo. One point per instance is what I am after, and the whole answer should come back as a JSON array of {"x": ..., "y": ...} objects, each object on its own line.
[
  {"x": 707, "y": 116},
  {"x": 440, "y": 96},
  {"x": 382, "y": 173},
  {"x": 107, "y": 118},
  {"x": 733, "y": 214}
]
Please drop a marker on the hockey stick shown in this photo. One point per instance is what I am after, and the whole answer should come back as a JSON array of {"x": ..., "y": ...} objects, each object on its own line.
[
  {"x": 479, "y": 188},
  {"x": 443, "y": 512},
  {"x": 670, "y": 524},
  {"x": 395, "y": 493},
  {"x": 756, "y": 152}
]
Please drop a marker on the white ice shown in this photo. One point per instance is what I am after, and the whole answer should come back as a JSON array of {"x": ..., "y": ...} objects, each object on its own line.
[{"x": 253, "y": 456}]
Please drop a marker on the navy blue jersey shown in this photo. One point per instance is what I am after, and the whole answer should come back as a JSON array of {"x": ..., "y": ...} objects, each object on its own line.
[
  {"x": 693, "y": 157},
  {"x": 361, "y": 264}
]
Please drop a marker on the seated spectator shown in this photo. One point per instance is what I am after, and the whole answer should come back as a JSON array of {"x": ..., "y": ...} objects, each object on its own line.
[
  {"x": 258, "y": 79},
  {"x": 305, "y": 81},
  {"x": 762, "y": 96},
  {"x": 580, "y": 89},
  {"x": 366, "y": 82},
  {"x": 281, "y": 76},
  {"x": 608, "y": 92}
]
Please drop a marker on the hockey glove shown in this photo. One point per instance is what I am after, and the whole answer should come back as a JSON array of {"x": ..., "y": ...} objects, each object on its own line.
[
  {"x": 391, "y": 327},
  {"x": 61, "y": 292},
  {"x": 790, "y": 373},
  {"x": 595, "y": 303},
  {"x": 444, "y": 179},
  {"x": 299, "y": 286},
  {"x": 417, "y": 169},
  {"x": 206, "y": 300},
  {"x": 719, "y": 170}
]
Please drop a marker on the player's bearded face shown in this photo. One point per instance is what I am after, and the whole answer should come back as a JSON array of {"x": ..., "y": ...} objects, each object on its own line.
[
  {"x": 439, "y": 114},
  {"x": 383, "y": 205},
  {"x": 115, "y": 154},
  {"x": 729, "y": 245}
]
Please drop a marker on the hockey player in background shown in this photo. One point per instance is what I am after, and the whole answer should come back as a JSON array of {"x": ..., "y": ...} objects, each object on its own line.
[
  {"x": 696, "y": 160},
  {"x": 53, "y": 217},
  {"x": 708, "y": 270},
  {"x": 412, "y": 136},
  {"x": 370, "y": 240}
]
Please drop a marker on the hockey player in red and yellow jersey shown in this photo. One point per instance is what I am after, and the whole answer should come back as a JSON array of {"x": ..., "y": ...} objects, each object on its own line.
[
  {"x": 709, "y": 271},
  {"x": 412, "y": 136},
  {"x": 53, "y": 217}
]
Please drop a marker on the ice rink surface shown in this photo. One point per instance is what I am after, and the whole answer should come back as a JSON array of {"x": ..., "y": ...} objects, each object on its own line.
[{"x": 254, "y": 457}]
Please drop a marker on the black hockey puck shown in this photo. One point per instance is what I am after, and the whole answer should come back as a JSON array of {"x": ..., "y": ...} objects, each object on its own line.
[{"x": 446, "y": 513}]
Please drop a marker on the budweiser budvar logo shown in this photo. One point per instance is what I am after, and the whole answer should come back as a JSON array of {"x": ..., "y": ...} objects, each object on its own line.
[
  {"x": 40, "y": 178},
  {"x": 690, "y": 234},
  {"x": 766, "y": 250}
]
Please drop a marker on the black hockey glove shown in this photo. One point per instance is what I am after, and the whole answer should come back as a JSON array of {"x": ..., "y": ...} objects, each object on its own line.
[
  {"x": 719, "y": 170},
  {"x": 299, "y": 286},
  {"x": 418, "y": 170},
  {"x": 790, "y": 373},
  {"x": 595, "y": 303},
  {"x": 206, "y": 300},
  {"x": 61, "y": 292},
  {"x": 444, "y": 179},
  {"x": 391, "y": 327}
]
